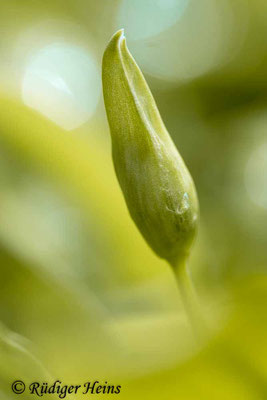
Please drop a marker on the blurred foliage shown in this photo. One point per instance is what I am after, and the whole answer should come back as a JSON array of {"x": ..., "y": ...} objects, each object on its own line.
[{"x": 77, "y": 280}]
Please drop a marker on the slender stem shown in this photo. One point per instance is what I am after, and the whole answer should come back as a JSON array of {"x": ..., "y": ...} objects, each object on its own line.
[{"x": 189, "y": 299}]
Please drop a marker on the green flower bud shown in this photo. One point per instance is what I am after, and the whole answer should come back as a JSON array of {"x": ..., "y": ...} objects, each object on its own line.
[{"x": 158, "y": 189}]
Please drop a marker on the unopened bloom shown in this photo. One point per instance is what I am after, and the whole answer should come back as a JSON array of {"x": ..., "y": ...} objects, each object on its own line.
[{"x": 157, "y": 186}]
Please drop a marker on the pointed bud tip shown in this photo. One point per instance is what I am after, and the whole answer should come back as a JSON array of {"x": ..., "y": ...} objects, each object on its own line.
[
  {"x": 118, "y": 36},
  {"x": 116, "y": 46}
]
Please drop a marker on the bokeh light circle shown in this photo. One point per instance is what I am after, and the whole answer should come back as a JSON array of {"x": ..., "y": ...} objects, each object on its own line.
[
  {"x": 179, "y": 40},
  {"x": 62, "y": 81},
  {"x": 143, "y": 19}
]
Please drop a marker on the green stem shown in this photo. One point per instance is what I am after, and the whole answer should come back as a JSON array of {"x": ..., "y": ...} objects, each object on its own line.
[{"x": 189, "y": 299}]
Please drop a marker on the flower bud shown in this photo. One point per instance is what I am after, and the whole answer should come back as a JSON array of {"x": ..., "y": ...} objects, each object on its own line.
[{"x": 158, "y": 189}]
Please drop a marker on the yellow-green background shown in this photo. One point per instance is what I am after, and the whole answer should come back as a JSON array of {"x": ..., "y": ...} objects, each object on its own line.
[{"x": 80, "y": 291}]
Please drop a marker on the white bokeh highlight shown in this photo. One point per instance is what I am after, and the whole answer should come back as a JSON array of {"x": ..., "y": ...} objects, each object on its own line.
[
  {"x": 143, "y": 19},
  {"x": 180, "y": 40},
  {"x": 63, "y": 83}
]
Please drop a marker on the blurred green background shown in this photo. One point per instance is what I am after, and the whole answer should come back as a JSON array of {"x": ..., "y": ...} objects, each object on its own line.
[{"x": 81, "y": 292}]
